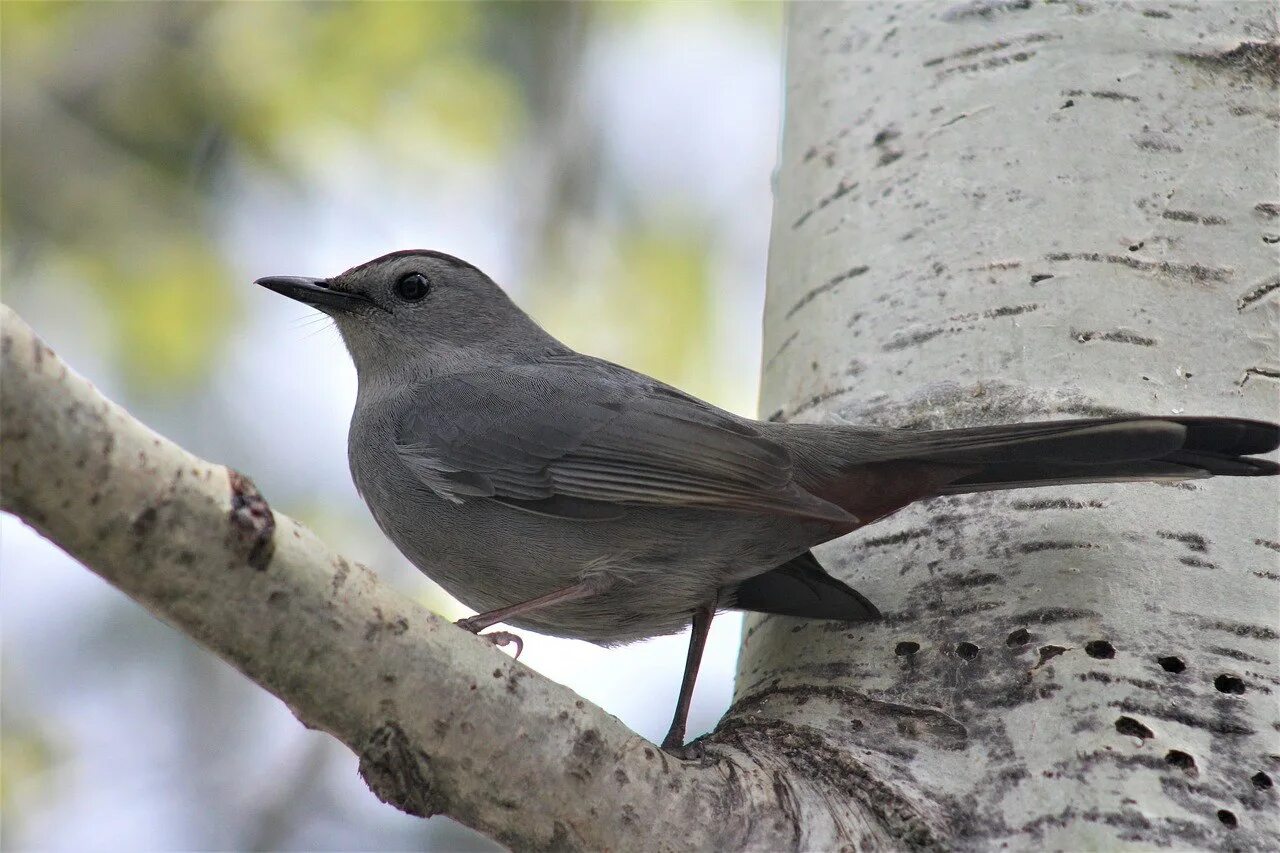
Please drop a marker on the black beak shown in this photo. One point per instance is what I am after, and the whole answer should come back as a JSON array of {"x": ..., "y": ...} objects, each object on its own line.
[{"x": 313, "y": 291}]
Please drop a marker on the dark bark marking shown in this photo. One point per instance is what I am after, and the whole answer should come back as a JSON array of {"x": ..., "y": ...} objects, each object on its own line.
[
  {"x": 895, "y": 538},
  {"x": 1249, "y": 59},
  {"x": 1036, "y": 278},
  {"x": 1193, "y": 541},
  {"x": 824, "y": 288},
  {"x": 1054, "y": 615},
  {"x": 1269, "y": 209},
  {"x": 991, "y": 47},
  {"x": 252, "y": 521},
  {"x": 1191, "y": 216},
  {"x": 1149, "y": 141},
  {"x": 1237, "y": 655},
  {"x": 1048, "y": 653},
  {"x": 1192, "y": 272},
  {"x": 912, "y": 339},
  {"x": 340, "y": 573},
  {"x": 1105, "y": 94},
  {"x": 972, "y": 579},
  {"x": 1055, "y": 503},
  {"x": 781, "y": 349},
  {"x": 1240, "y": 629},
  {"x": 376, "y": 627},
  {"x": 144, "y": 522},
  {"x": 987, "y": 64},
  {"x": 1117, "y": 336},
  {"x": 819, "y": 399},
  {"x": 397, "y": 774},
  {"x": 1264, "y": 372},
  {"x": 984, "y": 9},
  {"x": 842, "y": 189},
  {"x": 1257, "y": 293},
  {"x": 1048, "y": 545},
  {"x": 1177, "y": 714}
]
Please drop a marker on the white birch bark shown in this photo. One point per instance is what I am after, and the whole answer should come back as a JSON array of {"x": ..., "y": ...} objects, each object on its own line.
[{"x": 1013, "y": 210}]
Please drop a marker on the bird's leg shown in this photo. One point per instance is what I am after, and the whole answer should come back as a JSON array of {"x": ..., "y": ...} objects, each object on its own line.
[
  {"x": 697, "y": 642},
  {"x": 476, "y": 624}
]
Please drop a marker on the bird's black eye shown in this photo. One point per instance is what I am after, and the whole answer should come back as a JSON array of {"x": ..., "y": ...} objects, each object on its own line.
[{"x": 412, "y": 286}]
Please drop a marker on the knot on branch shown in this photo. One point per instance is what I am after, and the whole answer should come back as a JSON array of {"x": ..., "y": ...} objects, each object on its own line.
[
  {"x": 252, "y": 521},
  {"x": 397, "y": 774}
]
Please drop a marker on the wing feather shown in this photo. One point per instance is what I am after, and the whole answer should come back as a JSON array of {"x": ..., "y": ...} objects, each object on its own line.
[{"x": 571, "y": 430}]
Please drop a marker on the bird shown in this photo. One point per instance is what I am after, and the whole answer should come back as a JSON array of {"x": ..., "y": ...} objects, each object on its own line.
[{"x": 553, "y": 491}]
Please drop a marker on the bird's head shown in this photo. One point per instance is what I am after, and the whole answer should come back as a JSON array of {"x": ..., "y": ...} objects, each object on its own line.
[{"x": 410, "y": 314}]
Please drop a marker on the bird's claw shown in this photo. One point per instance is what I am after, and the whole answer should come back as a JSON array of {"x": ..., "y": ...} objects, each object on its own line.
[
  {"x": 504, "y": 638},
  {"x": 497, "y": 638}
]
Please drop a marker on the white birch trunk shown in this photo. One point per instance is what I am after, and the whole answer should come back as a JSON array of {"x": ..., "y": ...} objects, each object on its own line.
[{"x": 1012, "y": 210}]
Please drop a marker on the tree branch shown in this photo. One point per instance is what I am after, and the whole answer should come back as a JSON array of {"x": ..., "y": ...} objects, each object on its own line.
[{"x": 442, "y": 721}]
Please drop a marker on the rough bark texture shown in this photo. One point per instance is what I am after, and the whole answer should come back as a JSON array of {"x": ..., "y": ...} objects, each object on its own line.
[{"x": 1012, "y": 210}]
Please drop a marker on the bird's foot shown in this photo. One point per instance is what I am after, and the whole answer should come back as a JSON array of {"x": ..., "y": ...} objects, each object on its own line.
[
  {"x": 498, "y": 638},
  {"x": 693, "y": 751}
]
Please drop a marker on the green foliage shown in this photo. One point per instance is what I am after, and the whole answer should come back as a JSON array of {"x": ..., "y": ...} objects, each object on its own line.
[
  {"x": 649, "y": 306},
  {"x": 120, "y": 120}
]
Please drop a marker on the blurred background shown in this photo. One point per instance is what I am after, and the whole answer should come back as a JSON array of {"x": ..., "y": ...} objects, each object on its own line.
[{"x": 608, "y": 164}]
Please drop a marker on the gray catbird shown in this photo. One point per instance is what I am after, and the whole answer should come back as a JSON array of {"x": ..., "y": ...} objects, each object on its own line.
[{"x": 562, "y": 493}]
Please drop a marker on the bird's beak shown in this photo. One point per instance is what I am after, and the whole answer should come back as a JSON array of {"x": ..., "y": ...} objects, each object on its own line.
[{"x": 313, "y": 291}]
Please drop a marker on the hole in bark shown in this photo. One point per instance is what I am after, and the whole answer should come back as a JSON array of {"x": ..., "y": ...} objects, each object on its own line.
[
  {"x": 1228, "y": 819},
  {"x": 1019, "y": 637},
  {"x": 967, "y": 650},
  {"x": 1171, "y": 663},
  {"x": 906, "y": 648},
  {"x": 1100, "y": 649},
  {"x": 1138, "y": 245},
  {"x": 1068, "y": 103},
  {"x": 1181, "y": 760},
  {"x": 1229, "y": 684},
  {"x": 1133, "y": 728},
  {"x": 1260, "y": 780}
]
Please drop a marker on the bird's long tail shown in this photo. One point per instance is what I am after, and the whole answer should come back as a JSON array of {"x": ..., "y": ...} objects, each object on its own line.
[{"x": 1096, "y": 451}]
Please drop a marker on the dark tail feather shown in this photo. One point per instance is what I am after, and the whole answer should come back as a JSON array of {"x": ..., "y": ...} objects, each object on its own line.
[
  {"x": 1100, "y": 451},
  {"x": 801, "y": 587}
]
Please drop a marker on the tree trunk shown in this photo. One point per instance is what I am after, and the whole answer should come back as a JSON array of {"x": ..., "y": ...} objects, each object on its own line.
[
  {"x": 993, "y": 211},
  {"x": 1002, "y": 211}
]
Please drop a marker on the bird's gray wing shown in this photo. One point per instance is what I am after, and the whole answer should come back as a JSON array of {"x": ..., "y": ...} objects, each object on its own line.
[{"x": 578, "y": 437}]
